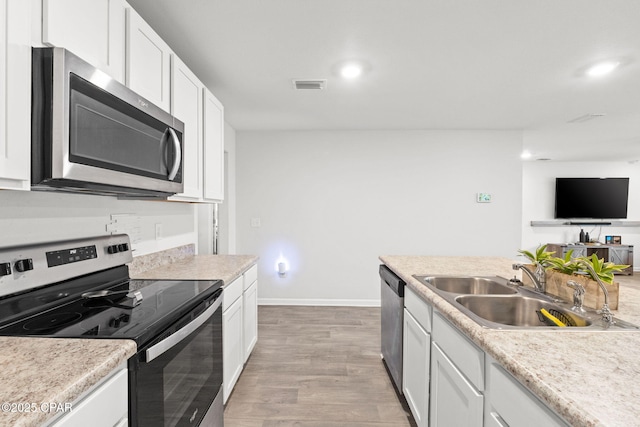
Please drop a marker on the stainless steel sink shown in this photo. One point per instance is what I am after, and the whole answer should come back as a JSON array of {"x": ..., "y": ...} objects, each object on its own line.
[
  {"x": 469, "y": 285},
  {"x": 496, "y": 303},
  {"x": 516, "y": 310}
]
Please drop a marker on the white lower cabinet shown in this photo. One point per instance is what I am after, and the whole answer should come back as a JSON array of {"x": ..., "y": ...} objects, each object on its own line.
[
  {"x": 105, "y": 405},
  {"x": 250, "y": 319},
  {"x": 416, "y": 351},
  {"x": 239, "y": 326},
  {"x": 454, "y": 400},
  {"x": 448, "y": 380},
  {"x": 509, "y": 403},
  {"x": 232, "y": 345}
]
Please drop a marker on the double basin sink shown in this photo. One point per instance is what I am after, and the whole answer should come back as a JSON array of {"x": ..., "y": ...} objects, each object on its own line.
[{"x": 495, "y": 303}]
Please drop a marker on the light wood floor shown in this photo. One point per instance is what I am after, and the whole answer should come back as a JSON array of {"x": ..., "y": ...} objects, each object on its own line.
[{"x": 316, "y": 367}]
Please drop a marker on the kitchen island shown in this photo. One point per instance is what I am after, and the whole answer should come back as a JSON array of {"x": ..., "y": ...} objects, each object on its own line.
[{"x": 589, "y": 378}]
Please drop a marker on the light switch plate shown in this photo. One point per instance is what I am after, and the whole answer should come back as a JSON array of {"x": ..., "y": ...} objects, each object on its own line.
[{"x": 483, "y": 198}]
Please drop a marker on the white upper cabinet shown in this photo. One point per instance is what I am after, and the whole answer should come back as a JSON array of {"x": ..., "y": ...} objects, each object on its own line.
[
  {"x": 15, "y": 94},
  {"x": 186, "y": 106},
  {"x": 148, "y": 60},
  {"x": 213, "y": 148},
  {"x": 93, "y": 30}
]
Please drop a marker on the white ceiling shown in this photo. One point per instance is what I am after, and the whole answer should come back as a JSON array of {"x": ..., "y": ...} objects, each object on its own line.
[{"x": 433, "y": 64}]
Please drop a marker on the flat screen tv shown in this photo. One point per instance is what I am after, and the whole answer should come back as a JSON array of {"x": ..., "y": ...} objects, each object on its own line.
[{"x": 597, "y": 198}]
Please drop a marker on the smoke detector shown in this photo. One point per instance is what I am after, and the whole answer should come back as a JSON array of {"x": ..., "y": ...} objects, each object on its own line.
[{"x": 309, "y": 84}]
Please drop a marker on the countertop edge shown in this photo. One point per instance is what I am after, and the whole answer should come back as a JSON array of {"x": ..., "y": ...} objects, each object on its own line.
[
  {"x": 202, "y": 267},
  {"x": 67, "y": 388}
]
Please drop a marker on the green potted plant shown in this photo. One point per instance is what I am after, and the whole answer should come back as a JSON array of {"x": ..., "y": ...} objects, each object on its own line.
[{"x": 559, "y": 270}]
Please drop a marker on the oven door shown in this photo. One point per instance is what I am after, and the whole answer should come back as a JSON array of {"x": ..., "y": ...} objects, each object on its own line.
[{"x": 176, "y": 380}]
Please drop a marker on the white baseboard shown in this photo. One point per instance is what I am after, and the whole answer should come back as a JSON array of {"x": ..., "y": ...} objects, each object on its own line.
[{"x": 321, "y": 302}]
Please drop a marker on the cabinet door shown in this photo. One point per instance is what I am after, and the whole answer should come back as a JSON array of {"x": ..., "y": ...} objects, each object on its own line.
[
  {"x": 15, "y": 94},
  {"x": 416, "y": 349},
  {"x": 147, "y": 62},
  {"x": 186, "y": 106},
  {"x": 620, "y": 255},
  {"x": 232, "y": 346},
  {"x": 578, "y": 251},
  {"x": 454, "y": 400},
  {"x": 93, "y": 30},
  {"x": 105, "y": 406},
  {"x": 250, "y": 325},
  {"x": 509, "y": 403},
  {"x": 213, "y": 148}
]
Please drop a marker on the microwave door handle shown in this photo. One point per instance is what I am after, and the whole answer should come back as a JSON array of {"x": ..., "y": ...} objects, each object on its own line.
[
  {"x": 172, "y": 340},
  {"x": 178, "y": 157}
]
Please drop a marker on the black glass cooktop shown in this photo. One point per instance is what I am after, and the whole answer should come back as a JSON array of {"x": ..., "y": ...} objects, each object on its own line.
[{"x": 61, "y": 310}]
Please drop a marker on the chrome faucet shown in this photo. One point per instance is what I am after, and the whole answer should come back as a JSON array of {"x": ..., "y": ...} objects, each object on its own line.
[
  {"x": 607, "y": 315},
  {"x": 539, "y": 279}
]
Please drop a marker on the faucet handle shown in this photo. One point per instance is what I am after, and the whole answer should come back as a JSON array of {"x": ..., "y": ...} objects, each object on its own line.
[
  {"x": 515, "y": 281},
  {"x": 578, "y": 296},
  {"x": 607, "y": 315}
]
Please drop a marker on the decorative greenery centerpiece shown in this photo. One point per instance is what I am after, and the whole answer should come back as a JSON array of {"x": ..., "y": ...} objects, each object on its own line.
[
  {"x": 559, "y": 270},
  {"x": 569, "y": 265}
]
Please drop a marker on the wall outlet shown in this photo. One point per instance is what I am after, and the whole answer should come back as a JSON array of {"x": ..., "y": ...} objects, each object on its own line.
[
  {"x": 255, "y": 222},
  {"x": 158, "y": 231}
]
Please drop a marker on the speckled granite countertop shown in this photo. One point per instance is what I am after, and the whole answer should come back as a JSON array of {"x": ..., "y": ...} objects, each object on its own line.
[
  {"x": 201, "y": 267},
  {"x": 51, "y": 370},
  {"x": 45, "y": 370},
  {"x": 589, "y": 378}
]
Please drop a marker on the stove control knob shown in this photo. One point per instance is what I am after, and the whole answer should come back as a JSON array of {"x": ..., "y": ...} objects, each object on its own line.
[
  {"x": 23, "y": 265},
  {"x": 113, "y": 249},
  {"x": 116, "y": 321},
  {"x": 5, "y": 269},
  {"x": 122, "y": 247}
]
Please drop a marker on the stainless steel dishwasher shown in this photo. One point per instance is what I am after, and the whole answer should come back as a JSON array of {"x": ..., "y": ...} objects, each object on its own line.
[{"x": 392, "y": 302}]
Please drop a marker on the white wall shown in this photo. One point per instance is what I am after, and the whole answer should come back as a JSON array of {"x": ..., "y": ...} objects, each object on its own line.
[
  {"x": 332, "y": 202},
  {"x": 538, "y": 187},
  {"x": 33, "y": 216}
]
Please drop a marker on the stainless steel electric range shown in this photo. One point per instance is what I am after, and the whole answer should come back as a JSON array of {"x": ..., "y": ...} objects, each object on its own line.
[{"x": 81, "y": 289}]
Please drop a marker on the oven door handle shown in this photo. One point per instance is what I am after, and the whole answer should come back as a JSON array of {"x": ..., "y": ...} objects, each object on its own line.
[{"x": 172, "y": 340}]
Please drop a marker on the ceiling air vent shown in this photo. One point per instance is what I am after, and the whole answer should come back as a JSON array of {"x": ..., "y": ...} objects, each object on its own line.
[
  {"x": 586, "y": 117},
  {"x": 315, "y": 84}
]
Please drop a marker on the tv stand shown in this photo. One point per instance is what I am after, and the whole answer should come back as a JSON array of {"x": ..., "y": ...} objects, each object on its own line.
[{"x": 617, "y": 254}]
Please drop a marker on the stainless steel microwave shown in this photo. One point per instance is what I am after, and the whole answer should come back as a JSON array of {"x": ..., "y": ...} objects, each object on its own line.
[{"x": 94, "y": 135}]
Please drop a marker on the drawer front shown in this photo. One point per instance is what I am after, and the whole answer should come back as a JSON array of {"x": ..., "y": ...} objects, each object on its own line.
[
  {"x": 513, "y": 404},
  {"x": 419, "y": 309},
  {"x": 250, "y": 276},
  {"x": 468, "y": 358},
  {"x": 232, "y": 292},
  {"x": 107, "y": 405}
]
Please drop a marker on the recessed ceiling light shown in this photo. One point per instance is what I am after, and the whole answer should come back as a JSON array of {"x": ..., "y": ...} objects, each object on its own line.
[
  {"x": 525, "y": 155},
  {"x": 602, "y": 68},
  {"x": 351, "y": 71}
]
